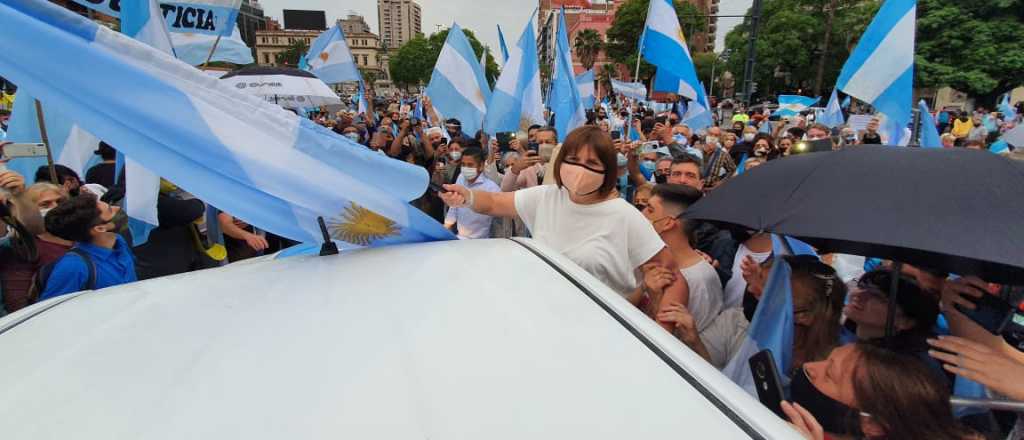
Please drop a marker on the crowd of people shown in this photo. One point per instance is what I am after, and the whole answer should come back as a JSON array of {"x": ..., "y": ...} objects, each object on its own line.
[{"x": 611, "y": 197}]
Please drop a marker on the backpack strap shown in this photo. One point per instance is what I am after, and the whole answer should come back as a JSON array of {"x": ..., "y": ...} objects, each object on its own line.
[{"x": 90, "y": 283}]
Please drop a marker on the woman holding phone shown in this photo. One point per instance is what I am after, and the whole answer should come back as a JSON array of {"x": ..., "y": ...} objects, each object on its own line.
[{"x": 582, "y": 217}]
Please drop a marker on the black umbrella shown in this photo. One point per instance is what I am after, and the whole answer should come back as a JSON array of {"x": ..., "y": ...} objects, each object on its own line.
[{"x": 955, "y": 210}]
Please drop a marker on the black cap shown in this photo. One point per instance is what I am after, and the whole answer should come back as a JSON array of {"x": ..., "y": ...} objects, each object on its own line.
[{"x": 105, "y": 150}]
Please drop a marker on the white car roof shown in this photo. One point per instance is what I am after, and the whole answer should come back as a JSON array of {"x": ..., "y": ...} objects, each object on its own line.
[{"x": 488, "y": 339}]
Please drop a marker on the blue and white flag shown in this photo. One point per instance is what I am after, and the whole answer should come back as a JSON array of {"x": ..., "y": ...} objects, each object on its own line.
[
  {"x": 792, "y": 105},
  {"x": 1013, "y": 137},
  {"x": 633, "y": 90},
  {"x": 929, "y": 131},
  {"x": 1006, "y": 108},
  {"x": 330, "y": 59},
  {"x": 585, "y": 82},
  {"x": 141, "y": 20},
  {"x": 458, "y": 88},
  {"x": 894, "y": 133},
  {"x": 846, "y": 102},
  {"x": 664, "y": 45},
  {"x": 665, "y": 82},
  {"x": 772, "y": 326},
  {"x": 216, "y": 17},
  {"x": 70, "y": 145},
  {"x": 880, "y": 71},
  {"x": 516, "y": 100},
  {"x": 193, "y": 48},
  {"x": 504, "y": 47},
  {"x": 832, "y": 116},
  {"x": 564, "y": 98},
  {"x": 261, "y": 163},
  {"x": 698, "y": 113},
  {"x": 766, "y": 127}
]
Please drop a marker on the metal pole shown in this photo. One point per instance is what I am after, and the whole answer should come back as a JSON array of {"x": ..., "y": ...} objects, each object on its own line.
[
  {"x": 639, "y": 54},
  {"x": 1002, "y": 405},
  {"x": 915, "y": 129},
  {"x": 46, "y": 143},
  {"x": 748, "y": 73},
  {"x": 711, "y": 88},
  {"x": 894, "y": 288},
  {"x": 212, "y": 50}
]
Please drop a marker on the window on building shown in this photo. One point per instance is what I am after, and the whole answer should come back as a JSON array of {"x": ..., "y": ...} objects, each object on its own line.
[
  {"x": 266, "y": 58},
  {"x": 365, "y": 63}
]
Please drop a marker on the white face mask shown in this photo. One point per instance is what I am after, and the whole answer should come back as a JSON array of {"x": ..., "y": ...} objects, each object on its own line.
[
  {"x": 470, "y": 173},
  {"x": 711, "y": 140},
  {"x": 455, "y": 155},
  {"x": 354, "y": 137},
  {"x": 43, "y": 212},
  {"x": 749, "y": 137}
]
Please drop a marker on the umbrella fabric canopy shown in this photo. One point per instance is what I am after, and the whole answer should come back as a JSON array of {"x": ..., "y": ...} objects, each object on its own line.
[
  {"x": 957, "y": 210},
  {"x": 285, "y": 86}
]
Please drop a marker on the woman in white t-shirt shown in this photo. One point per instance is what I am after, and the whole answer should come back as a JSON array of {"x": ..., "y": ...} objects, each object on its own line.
[{"x": 583, "y": 218}]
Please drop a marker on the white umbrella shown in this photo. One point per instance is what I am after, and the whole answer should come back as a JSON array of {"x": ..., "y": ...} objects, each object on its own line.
[{"x": 285, "y": 86}]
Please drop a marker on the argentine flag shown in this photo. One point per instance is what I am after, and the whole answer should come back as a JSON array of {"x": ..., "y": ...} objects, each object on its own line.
[
  {"x": 70, "y": 144},
  {"x": 264, "y": 165},
  {"x": 665, "y": 82},
  {"x": 215, "y": 17},
  {"x": 330, "y": 59},
  {"x": 664, "y": 45},
  {"x": 564, "y": 98},
  {"x": 772, "y": 326},
  {"x": 585, "y": 82},
  {"x": 929, "y": 133},
  {"x": 632, "y": 90},
  {"x": 832, "y": 117},
  {"x": 516, "y": 98},
  {"x": 880, "y": 71},
  {"x": 792, "y": 105},
  {"x": 1009, "y": 114},
  {"x": 504, "y": 47},
  {"x": 458, "y": 88},
  {"x": 698, "y": 113},
  {"x": 141, "y": 20},
  {"x": 193, "y": 48}
]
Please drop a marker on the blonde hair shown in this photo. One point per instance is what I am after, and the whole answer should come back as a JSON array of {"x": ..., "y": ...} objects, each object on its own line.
[{"x": 37, "y": 190}]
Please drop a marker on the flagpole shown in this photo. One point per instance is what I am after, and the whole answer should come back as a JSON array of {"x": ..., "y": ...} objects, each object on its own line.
[
  {"x": 46, "y": 142},
  {"x": 639, "y": 54},
  {"x": 212, "y": 50}
]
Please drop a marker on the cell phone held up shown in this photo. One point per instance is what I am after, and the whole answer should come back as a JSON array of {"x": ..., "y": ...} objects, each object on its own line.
[
  {"x": 504, "y": 141},
  {"x": 995, "y": 315},
  {"x": 767, "y": 381},
  {"x": 13, "y": 151}
]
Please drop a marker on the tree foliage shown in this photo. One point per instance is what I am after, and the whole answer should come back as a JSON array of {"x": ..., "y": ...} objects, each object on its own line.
[
  {"x": 624, "y": 35},
  {"x": 790, "y": 42},
  {"x": 291, "y": 55},
  {"x": 971, "y": 45},
  {"x": 414, "y": 62},
  {"x": 588, "y": 46}
]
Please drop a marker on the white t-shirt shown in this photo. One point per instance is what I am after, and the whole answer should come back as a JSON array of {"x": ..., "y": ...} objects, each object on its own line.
[
  {"x": 705, "y": 293},
  {"x": 737, "y": 285},
  {"x": 724, "y": 337},
  {"x": 609, "y": 240}
]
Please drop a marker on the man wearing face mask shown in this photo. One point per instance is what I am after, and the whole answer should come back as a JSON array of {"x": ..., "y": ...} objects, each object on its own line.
[
  {"x": 745, "y": 144},
  {"x": 100, "y": 258},
  {"x": 352, "y": 134},
  {"x": 471, "y": 224}
]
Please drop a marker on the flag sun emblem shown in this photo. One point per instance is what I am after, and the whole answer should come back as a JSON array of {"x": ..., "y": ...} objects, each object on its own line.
[
  {"x": 324, "y": 56},
  {"x": 360, "y": 226}
]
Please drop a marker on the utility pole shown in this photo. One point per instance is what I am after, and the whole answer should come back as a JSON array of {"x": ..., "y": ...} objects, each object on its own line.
[
  {"x": 819, "y": 78},
  {"x": 748, "y": 73}
]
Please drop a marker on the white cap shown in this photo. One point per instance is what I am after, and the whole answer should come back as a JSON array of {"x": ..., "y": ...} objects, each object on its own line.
[{"x": 95, "y": 189}]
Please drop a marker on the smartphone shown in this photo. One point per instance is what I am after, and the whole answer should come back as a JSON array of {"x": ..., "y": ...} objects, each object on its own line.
[
  {"x": 503, "y": 141},
  {"x": 661, "y": 120},
  {"x": 650, "y": 147},
  {"x": 991, "y": 312},
  {"x": 616, "y": 135},
  {"x": 767, "y": 381},
  {"x": 437, "y": 188},
  {"x": 12, "y": 151},
  {"x": 818, "y": 146}
]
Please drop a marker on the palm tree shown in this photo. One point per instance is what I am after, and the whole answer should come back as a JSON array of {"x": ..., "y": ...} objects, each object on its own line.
[
  {"x": 588, "y": 47},
  {"x": 604, "y": 77}
]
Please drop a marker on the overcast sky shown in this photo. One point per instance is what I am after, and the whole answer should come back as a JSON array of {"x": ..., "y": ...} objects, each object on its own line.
[{"x": 481, "y": 16}]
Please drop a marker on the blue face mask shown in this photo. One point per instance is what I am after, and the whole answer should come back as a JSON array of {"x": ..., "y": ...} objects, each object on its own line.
[
  {"x": 648, "y": 167},
  {"x": 623, "y": 182},
  {"x": 680, "y": 139}
]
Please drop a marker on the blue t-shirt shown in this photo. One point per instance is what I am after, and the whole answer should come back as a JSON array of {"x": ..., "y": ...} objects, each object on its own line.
[{"x": 113, "y": 267}]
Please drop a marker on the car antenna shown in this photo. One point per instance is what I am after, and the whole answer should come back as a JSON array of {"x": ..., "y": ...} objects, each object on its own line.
[{"x": 329, "y": 248}]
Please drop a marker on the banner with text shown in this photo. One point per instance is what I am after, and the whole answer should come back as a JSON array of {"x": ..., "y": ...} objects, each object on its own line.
[{"x": 216, "y": 17}]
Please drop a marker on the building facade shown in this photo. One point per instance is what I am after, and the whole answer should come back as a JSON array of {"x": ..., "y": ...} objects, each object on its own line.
[
  {"x": 399, "y": 21},
  {"x": 366, "y": 50}
]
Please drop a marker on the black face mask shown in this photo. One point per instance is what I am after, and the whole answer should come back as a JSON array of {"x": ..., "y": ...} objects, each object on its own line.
[
  {"x": 660, "y": 178},
  {"x": 834, "y": 416}
]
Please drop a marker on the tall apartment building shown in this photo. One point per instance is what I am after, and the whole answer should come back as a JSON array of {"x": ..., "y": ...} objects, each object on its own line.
[{"x": 399, "y": 22}]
